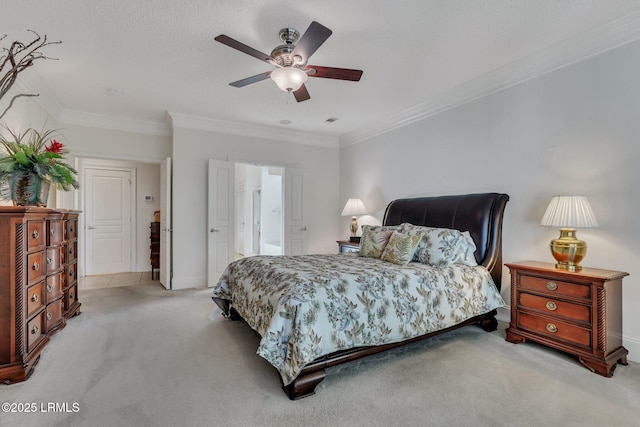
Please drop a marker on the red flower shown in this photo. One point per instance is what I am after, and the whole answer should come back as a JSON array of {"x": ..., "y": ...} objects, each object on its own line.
[{"x": 54, "y": 147}]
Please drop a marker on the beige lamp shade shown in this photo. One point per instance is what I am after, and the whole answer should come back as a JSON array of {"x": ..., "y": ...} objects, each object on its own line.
[
  {"x": 569, "y": 213},
  {"x": 353, "y": 208}
]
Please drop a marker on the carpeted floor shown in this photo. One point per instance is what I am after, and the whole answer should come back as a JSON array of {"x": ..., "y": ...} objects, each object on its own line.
[{"x": 143, "y": 356}]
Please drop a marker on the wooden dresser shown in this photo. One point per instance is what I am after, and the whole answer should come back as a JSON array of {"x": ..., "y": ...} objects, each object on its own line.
[
  {"x": 579, "y": 313},
  {"x": 154, "y": 236},
  {"x": 38, "y": 283}
]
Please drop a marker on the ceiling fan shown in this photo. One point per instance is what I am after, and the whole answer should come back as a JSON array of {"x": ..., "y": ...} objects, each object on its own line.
[{"x": 291, "y": 60}]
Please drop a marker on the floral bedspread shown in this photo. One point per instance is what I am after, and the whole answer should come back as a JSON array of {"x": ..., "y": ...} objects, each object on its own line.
[{"x": 307, "y": 306}]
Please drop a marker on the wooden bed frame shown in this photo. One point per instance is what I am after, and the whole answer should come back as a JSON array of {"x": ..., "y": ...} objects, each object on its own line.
[{"x": 480, "y": 214}]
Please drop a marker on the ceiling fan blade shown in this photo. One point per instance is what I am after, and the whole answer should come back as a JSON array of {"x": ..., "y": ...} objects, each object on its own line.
[
  {"x": 252, "y": 79},
  {"x": 333, "y": 73},
  {"x": 302, "y": 94},
  {"x": 311, "y": 40},
  {"x": 244, "y": 48}
]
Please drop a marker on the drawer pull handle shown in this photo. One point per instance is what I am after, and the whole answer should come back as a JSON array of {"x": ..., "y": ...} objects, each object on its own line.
[
  {"x": 35, "y": 297},
  {"x": 49, "y": 288},
  {"x": 551, "y": 306},
  {"x": 49, "y": 316},
  {"x": 71, "y": 273},
  {"x": 48, "y": 260},
  {"x": 35, "y": 234},
  {"x": 53, "y": 232},
  {"x": 552, "y": 286},
  {"x": 35, "y": 329},
  {"x": 71, "y": 296},
  {"x": 36, "y": 266},
  {"x": 552, "y": 328}
]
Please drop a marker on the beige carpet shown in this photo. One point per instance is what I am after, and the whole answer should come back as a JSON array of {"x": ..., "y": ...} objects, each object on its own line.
[{"x": 143, "y": 356}]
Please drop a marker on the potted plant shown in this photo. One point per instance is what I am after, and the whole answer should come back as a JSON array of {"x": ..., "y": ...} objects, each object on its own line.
[{"x": 32, "y": 161}]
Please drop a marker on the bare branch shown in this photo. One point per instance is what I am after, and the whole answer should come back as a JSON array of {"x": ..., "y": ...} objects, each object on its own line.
[
  {"x": 18, "y": 57},
  {"x": 13, "y": 99}
]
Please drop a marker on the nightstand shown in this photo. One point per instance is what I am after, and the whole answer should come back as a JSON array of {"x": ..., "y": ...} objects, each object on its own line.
[
  {"x": 576, "y": 312},
  {"x": 347, "y": 246}
]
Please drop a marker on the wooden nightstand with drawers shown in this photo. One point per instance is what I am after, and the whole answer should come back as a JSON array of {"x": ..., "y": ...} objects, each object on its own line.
[{"x": 576, "y": 312}]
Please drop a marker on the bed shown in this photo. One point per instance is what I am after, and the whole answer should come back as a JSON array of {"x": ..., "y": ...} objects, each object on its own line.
[{"x": 316, "y": 311}]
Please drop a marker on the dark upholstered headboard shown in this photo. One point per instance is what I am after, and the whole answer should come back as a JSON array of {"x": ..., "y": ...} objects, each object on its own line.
[{"x": 479, "y": 214}]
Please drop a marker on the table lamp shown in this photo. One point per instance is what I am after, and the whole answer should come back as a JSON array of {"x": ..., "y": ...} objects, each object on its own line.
[{"x": 569, "y": 213}]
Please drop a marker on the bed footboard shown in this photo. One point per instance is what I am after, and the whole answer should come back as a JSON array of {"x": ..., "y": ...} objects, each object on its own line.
[{"x": 305, "y": 383}]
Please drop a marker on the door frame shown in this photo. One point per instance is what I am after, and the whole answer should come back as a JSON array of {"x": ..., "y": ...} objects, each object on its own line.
[{"x": 85, "y": 163}]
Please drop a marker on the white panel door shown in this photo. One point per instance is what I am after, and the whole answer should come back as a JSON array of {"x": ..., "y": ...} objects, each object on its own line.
[
  {"x": 107, "y": 221},
  {"x": 165, "y": 223},
  {"x": 294, "y": 223},
  {"x": 221, "y": 216}
]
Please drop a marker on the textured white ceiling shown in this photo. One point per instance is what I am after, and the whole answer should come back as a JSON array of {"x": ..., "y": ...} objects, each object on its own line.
[{"x": 417, "y": 56}]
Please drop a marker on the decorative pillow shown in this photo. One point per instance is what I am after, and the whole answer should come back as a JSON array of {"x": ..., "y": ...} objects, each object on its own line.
[
  {"x": 400, "y": 248},
  {"x": 440, "y": 247},
  {"x": 373, "y": 241}
]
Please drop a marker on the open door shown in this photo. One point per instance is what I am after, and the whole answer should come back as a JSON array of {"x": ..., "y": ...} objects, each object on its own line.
[
  {"x": 165, "y": 223},
  {"x": 295, "y": 230},
  {"x": 220, "y": 219}
]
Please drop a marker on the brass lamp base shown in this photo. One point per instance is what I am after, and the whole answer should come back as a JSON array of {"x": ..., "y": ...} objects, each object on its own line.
[
  {"x": 354, "y": 226},
  {"x": 568, "y": 250}
]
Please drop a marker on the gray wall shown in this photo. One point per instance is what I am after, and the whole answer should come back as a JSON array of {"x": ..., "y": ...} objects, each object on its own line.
[{"x": 573, "y": 131}]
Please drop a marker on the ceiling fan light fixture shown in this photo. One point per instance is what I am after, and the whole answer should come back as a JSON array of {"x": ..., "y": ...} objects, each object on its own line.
[{"x": 289, "y": 79}]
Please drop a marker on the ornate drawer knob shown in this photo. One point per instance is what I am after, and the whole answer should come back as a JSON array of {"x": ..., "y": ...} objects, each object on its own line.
[
  {"x": 552, "y": 286},
  {"x": 35, "y": 266},
  {"x": 70, "y": 296},
  {"x": 35, "y": 329},
  {"x": 551, "y": 305},
  {"x": 49, "y": 288},
  {"x": 35, "y": 298},
  {"x": 552, "y": 328},
  {"x": 53, "y": 232},
  {"x": 35, "y": 234},
  {"x": 48, "y": 260},
  {"x": 49, "y": 316}
]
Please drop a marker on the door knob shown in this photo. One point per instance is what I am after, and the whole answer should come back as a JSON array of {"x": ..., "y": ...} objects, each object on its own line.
[
  {"x": 214, "y": 230},
  {"x": 91, "y": 227}
]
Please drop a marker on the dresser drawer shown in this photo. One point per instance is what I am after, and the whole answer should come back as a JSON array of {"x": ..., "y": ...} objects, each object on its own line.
[
  {"x": 72, "y": 251},
  {"x": 71, "y": 297},
  {"x": 72, "y": 274},
  {"x": 554, "y": 287},
  {"x": 55, "y": 258},
  {"x": 35, "y": 298},
  {"x": 54, "y": 286},
  {"x": 35, "y": 267},
  {"x": 53, "y": 314},
  {"x": 72, "y": 229},
  {"x": 555, "y": 329},
  {"x": 36, "y": 238},
  {"x": 35, "y": 331},
  {"x": 556, "y": 308},
  {"x": 56, "y": 232}
]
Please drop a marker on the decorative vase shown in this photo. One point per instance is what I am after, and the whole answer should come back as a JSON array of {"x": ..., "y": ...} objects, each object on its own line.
[{"x": 28, "y": 195}]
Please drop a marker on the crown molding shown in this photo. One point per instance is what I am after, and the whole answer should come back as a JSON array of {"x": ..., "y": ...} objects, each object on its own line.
[
  {"x": 82, "y": 118},
  {"x": 178, "y": 120},
  {"x": 580, "y": 47}
]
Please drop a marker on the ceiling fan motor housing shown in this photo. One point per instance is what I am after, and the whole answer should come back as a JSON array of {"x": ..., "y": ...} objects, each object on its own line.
[{"x": 282, "y": 53}]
